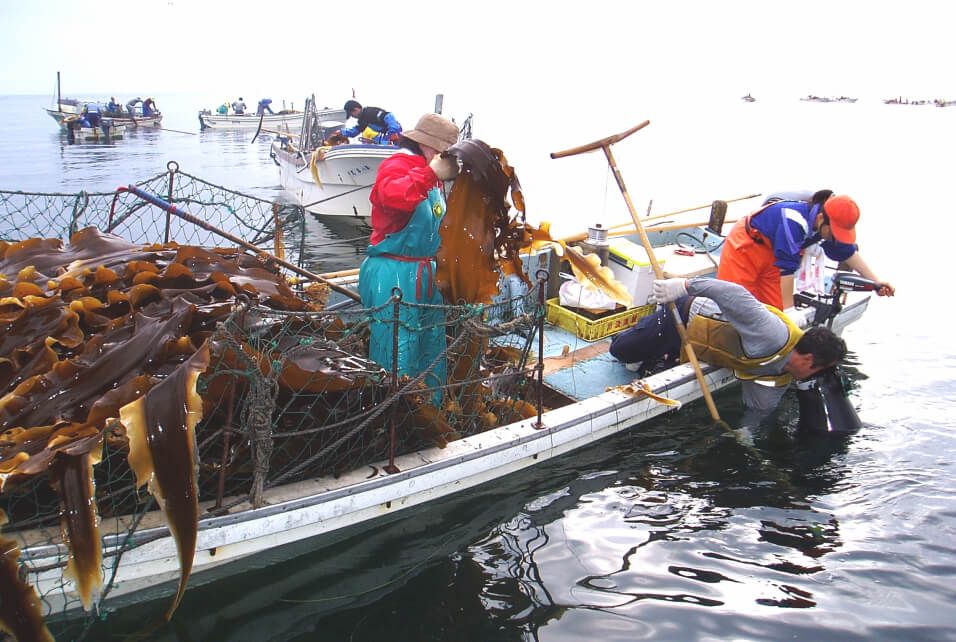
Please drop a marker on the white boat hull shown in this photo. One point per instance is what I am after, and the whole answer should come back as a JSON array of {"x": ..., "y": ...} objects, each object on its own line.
[
  {"x": 118, "y": 119},
  {"x": 97, "y": 134},
  {"x": 292, "y": 120},
  {"x": 346, "y": 175},
  {"x": 326, "y": 506}
]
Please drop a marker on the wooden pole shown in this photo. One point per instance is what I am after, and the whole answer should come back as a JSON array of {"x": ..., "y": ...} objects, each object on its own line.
[{"x": 605, "y": 145}]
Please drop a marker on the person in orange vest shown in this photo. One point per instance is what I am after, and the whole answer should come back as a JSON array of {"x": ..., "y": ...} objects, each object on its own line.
[{"x": 765, "y": 250}]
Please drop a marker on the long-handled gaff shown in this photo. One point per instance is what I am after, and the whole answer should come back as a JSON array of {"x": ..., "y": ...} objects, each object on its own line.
[{"x": 605, "y": 145}]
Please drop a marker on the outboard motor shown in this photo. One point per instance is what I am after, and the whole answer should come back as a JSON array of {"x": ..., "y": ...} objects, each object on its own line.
[
  {"x": 828, "y": 306},
  {"x": 825, "y": 406}
]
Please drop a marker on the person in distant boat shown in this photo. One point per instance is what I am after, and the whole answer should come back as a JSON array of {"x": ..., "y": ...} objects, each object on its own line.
[
  {"x": 375, "y": 125},
  {"x": 91, "y": 114},
  {"x": 264, "y": 107},
  {"x": 131, "y": 106},
  {"x": 239, "y": 107},
  {"x": 728, "y": 327},
  {"x": 784, "y": 243},
  {"x": 407, "y": 210},
  {"x": 149, "y": 108},
  {"x": 112, "y": 106},
  {"x": 222, "y": 109}
]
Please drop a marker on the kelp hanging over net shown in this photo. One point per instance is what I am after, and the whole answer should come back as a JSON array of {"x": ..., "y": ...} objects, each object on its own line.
[{"x": 199, "y": 375}]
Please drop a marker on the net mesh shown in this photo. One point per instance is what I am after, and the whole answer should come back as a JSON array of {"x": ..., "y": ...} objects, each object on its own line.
[{"x": 288, "y": 396}]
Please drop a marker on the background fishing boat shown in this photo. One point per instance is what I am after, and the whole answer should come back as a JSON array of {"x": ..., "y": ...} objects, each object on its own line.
[
  {"x": 331, "y": 180},
  {"x": 66, "y": 110},
  {"x": 251, "y": 120}
]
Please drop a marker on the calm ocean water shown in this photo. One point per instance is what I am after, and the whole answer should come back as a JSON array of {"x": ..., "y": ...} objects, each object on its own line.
[{"x": 668, "y": 532}]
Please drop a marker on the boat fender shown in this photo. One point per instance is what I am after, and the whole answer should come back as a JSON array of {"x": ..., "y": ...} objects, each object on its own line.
[{"x": 825, "y": 406}]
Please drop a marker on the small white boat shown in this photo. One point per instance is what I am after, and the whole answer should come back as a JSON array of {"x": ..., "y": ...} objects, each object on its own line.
[
  {"x": 106, "y": 131},
  {"x": 331, "y": 472},
  {"x": 589, "y": 402},
  {"x": 326, "y": 506},
  {"x": 331, "y": 180},
  {"x": 66, "y": 109},
  {"x": 284, "y": 118},
  {"x": 345, "y": 176},
  {"x": 64, "y": 115}
]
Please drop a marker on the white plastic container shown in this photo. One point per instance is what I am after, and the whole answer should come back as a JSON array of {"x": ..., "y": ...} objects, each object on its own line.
[{"x": 630, "y": 265}]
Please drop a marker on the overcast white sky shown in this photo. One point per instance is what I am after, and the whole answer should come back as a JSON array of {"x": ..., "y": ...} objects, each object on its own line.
[
  {"x": 539, "y": 76},
  {"x": 488, "y": 49}
]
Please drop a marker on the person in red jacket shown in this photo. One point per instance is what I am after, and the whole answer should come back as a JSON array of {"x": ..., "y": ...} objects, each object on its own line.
[{"x": 407, "y": 210}]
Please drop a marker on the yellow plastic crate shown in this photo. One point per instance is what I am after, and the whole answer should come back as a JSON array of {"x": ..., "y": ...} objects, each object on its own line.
[{"x": 592, "y": 330}]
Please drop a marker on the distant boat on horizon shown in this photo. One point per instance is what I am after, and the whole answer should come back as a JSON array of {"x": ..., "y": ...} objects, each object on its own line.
[
  {"x": 828, "y": 99},
  {"x": 748, "y": 99}
]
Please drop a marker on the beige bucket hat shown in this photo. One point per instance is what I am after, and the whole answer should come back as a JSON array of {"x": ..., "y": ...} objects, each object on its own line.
[{"x": 433, "y": 130}]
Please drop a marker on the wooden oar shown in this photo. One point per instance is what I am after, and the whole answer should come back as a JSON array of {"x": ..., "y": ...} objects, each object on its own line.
[
  {"x": 689, "y": 209},
  {"x": 628, "y": 228},
  {"x": 605, "y": 145}
]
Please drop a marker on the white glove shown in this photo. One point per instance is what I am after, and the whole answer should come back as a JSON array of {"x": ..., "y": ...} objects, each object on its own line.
[
  {"x": 668, "y": 290},
  {"x": 445, "y": 168}
]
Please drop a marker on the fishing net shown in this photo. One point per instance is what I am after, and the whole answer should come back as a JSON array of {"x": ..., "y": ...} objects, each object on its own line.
[
  {"x": 288, "y": 395},
  {"x": 60, "y": 215}
]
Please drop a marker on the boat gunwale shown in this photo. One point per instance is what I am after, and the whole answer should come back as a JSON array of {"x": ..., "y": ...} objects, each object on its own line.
[{"x": 612, "y": 402}]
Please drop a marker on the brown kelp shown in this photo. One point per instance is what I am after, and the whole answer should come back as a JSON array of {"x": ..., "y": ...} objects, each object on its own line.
[
  {"x": 482, "y": 241},
  {"x": 20, "y": 614},
  {"x": 103, "y": 333}
]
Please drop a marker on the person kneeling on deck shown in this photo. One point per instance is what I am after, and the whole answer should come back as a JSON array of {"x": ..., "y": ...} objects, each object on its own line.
[
  {"x": 407, "y": 210},
  {"x": 728, "y": 327},
  {"x": 375, "y": 125}
]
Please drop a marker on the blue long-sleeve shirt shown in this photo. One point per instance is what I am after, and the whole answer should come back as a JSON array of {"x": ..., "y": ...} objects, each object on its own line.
[
  {"x": 384, "y": 122},
  {"x": 788, "y": 225}
]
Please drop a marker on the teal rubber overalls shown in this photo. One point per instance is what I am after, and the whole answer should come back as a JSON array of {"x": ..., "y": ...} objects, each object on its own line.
[{"x": 406, "y": 260}]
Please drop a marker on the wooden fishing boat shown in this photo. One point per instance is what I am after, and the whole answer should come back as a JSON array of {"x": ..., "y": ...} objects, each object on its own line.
[
  {"x": 290, "y": 437},
  {"x": 67, "y": 112},
  {"x": 585, "y": 389}
]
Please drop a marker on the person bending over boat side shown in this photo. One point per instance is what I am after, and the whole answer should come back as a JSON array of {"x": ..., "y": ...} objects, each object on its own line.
[
  {"x": 239, "y": 107},
  {"x": 131, "y": 106},
  {"x": 264, "y": 107},
  {"x": 149, "y": 108},
  {"x": 728, "y": 327},
  {"x": 375, "y": 125},
  {"x": 407, "y": 210},
  {"x": 789, "y": 235},
  {"x": 91, "y": 114}
]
